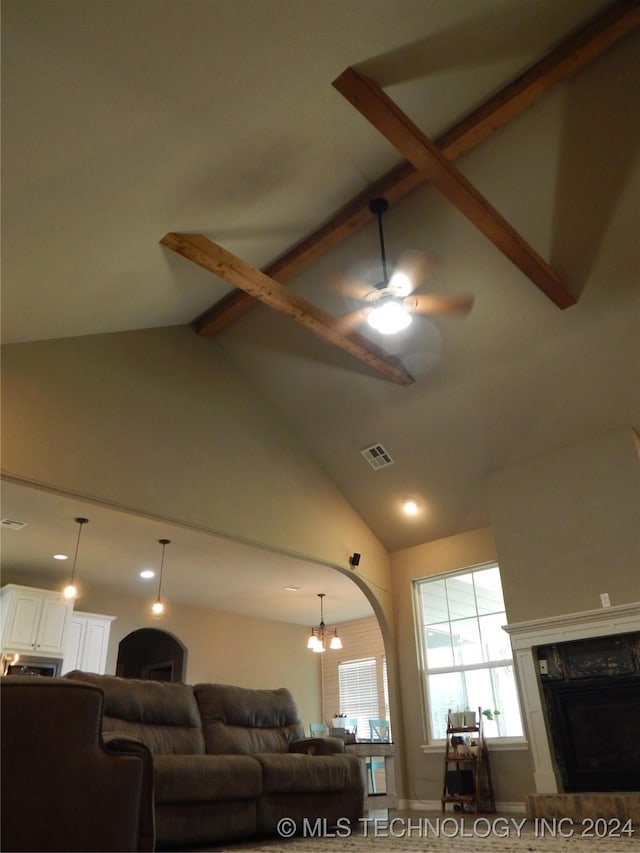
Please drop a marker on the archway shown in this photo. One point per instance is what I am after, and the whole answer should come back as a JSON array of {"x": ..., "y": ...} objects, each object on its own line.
[{"x": 151, "y": 654}]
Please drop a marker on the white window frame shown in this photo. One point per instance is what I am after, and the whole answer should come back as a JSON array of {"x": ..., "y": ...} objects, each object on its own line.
[{"x": 507, "y": 742}]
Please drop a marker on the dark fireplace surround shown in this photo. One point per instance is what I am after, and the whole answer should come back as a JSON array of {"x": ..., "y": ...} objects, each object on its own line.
[{"x": 591, "y": 692}]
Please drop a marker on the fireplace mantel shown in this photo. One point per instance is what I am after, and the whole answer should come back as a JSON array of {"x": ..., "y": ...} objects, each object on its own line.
[{"x": 557, "y": 629}]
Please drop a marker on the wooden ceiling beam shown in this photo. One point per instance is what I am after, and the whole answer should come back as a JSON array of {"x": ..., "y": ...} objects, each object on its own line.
[
  {"x": 578, "y": 49},
  {"x": 262, "y": 287},
  {"x": 378, "y": 108}
]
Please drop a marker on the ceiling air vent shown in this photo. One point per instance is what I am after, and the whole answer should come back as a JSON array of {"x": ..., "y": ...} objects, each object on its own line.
[
  {"x": 11, "y": 524},
  {"x": 377, "y": 456}
]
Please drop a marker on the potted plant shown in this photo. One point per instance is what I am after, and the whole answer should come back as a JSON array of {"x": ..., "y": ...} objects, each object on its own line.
[{"x": 490, "y": 714}]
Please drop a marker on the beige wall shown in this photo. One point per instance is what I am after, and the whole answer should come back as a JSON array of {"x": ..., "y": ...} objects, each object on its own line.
[
  {"x": 512, "y": 771},
  {"x": 567, "y": 527}
]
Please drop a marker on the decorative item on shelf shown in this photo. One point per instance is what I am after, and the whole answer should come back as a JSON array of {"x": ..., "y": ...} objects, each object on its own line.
[
  {"x": 158, "y": 608},
  {"x": 455, "y": 719},
  {"x": 470, "y": 718},
  {"x": 71, "y": 590},
  {"x": 318, "y": 638}
]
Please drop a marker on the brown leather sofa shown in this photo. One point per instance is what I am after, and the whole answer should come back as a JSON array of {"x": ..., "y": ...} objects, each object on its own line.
[
  {"x": 64, "y": 787},
  {"x": 230, "y": 762}
]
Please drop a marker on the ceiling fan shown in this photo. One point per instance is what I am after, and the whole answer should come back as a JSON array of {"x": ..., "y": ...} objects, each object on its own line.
[{"x": 392, "y": 302}]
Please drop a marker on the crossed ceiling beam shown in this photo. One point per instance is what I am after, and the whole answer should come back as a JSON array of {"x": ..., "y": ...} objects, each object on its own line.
[
  {"x": 256, "y": 284},
  {"x": 369, "y": 99},
  {"x": 566, "y": 59}
]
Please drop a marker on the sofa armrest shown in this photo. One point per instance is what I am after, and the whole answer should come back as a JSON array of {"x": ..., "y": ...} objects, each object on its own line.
[
  {"x": 318, "y": 745},
  {"x": 116, "y": 743}
]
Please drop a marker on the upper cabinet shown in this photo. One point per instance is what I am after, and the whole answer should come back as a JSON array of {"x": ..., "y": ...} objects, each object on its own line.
[
  {"x": 34, "y": 620},
  {"x": 87, "y": 642}
]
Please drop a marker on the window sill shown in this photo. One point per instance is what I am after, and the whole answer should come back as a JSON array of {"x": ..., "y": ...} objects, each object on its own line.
[{"x": 503, "y": 744}]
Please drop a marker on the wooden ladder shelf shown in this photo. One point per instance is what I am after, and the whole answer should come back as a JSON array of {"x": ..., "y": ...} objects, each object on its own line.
[{"x": 467, "y": 771}]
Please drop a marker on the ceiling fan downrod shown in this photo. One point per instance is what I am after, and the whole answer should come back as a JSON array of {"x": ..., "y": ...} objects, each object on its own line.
[{"x": 378, "y": 206}]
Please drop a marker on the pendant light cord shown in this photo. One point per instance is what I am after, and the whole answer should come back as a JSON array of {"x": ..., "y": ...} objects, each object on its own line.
[
  {"x": 81, "y": 522},
  {"x": 164, "y": 543}
]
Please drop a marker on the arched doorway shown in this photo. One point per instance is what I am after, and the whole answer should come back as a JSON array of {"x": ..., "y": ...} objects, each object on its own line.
[{"x": 151, "y": 654}]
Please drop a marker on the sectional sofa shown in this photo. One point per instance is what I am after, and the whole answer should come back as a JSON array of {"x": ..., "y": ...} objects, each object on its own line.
[{"x": 229, "y": 763}]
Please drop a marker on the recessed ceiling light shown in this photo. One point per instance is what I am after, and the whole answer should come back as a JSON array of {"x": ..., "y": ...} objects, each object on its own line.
[
  {"x": 147, "y": 574},
  {"x": 60, "y": 557},
  {"x": 410, "y": 506},
  {"x": 293, "y": 588}
]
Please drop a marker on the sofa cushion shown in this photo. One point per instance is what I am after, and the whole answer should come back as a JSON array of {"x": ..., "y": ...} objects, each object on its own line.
[
  {"x": 240, "y": 720},
  {"x": 296, "y": 772},
  {"x": 163, "y": 715},
  {"x": 206, "y": 778}
]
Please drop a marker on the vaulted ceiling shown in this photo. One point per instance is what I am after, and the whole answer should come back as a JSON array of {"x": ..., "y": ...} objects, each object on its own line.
[{"x": 503, "y": 134}]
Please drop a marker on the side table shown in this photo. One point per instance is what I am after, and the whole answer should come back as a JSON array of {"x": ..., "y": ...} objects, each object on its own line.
[{"x": 388, "y": 800}]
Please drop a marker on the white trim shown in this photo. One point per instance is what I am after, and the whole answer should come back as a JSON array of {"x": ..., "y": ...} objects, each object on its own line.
[
  {"x": 503, "y": 744},
  {"x": 555, "y": 629}
]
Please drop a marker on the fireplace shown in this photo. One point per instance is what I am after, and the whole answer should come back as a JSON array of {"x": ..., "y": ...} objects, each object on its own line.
[
  {"x": 591, "y": 691},
  {"x": 572, "y": 708}
]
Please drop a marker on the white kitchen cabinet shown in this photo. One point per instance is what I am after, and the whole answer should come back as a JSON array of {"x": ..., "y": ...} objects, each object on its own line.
[
  {"x": 34, "y": 620},
  {"x": 87, "y": 642}
]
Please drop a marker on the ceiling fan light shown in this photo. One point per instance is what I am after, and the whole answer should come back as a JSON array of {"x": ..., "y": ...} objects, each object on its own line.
[
  {"x": 389, "y": 318},
  {"x": 400, "y": 283}
]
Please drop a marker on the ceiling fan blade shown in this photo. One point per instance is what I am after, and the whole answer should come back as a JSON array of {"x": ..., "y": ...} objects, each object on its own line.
[
  {"x": 349, "y": 287},
  {"x": 347, "y": 322},
  {"x": 433, "y": 304},
  {"x": 418, "y": 266}
]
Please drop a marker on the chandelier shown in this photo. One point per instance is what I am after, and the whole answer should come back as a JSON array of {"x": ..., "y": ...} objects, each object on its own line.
[{"x": 318, "y": 638}]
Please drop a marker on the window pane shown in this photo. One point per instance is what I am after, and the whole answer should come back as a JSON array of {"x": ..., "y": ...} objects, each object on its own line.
[
  {"x": 434, "y": 603},
  {"x": 494, "y": 689},
  {"x": 438, "y": 642},
  {"x": 509, "y": 723},
  {"x": 466, "y": 642},
  {"x": 444, "y": 692},
  {"x": 489, "y": 590},
  {"x": 495, "y": 641},
  {"x": 462, "y": 601}
]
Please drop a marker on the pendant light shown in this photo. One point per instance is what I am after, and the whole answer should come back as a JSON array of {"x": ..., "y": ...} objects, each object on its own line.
[
  {"x": 317, "y": 639},
  {"x": 71, "y": 591},
  {"x": 158, "y": 608}
]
